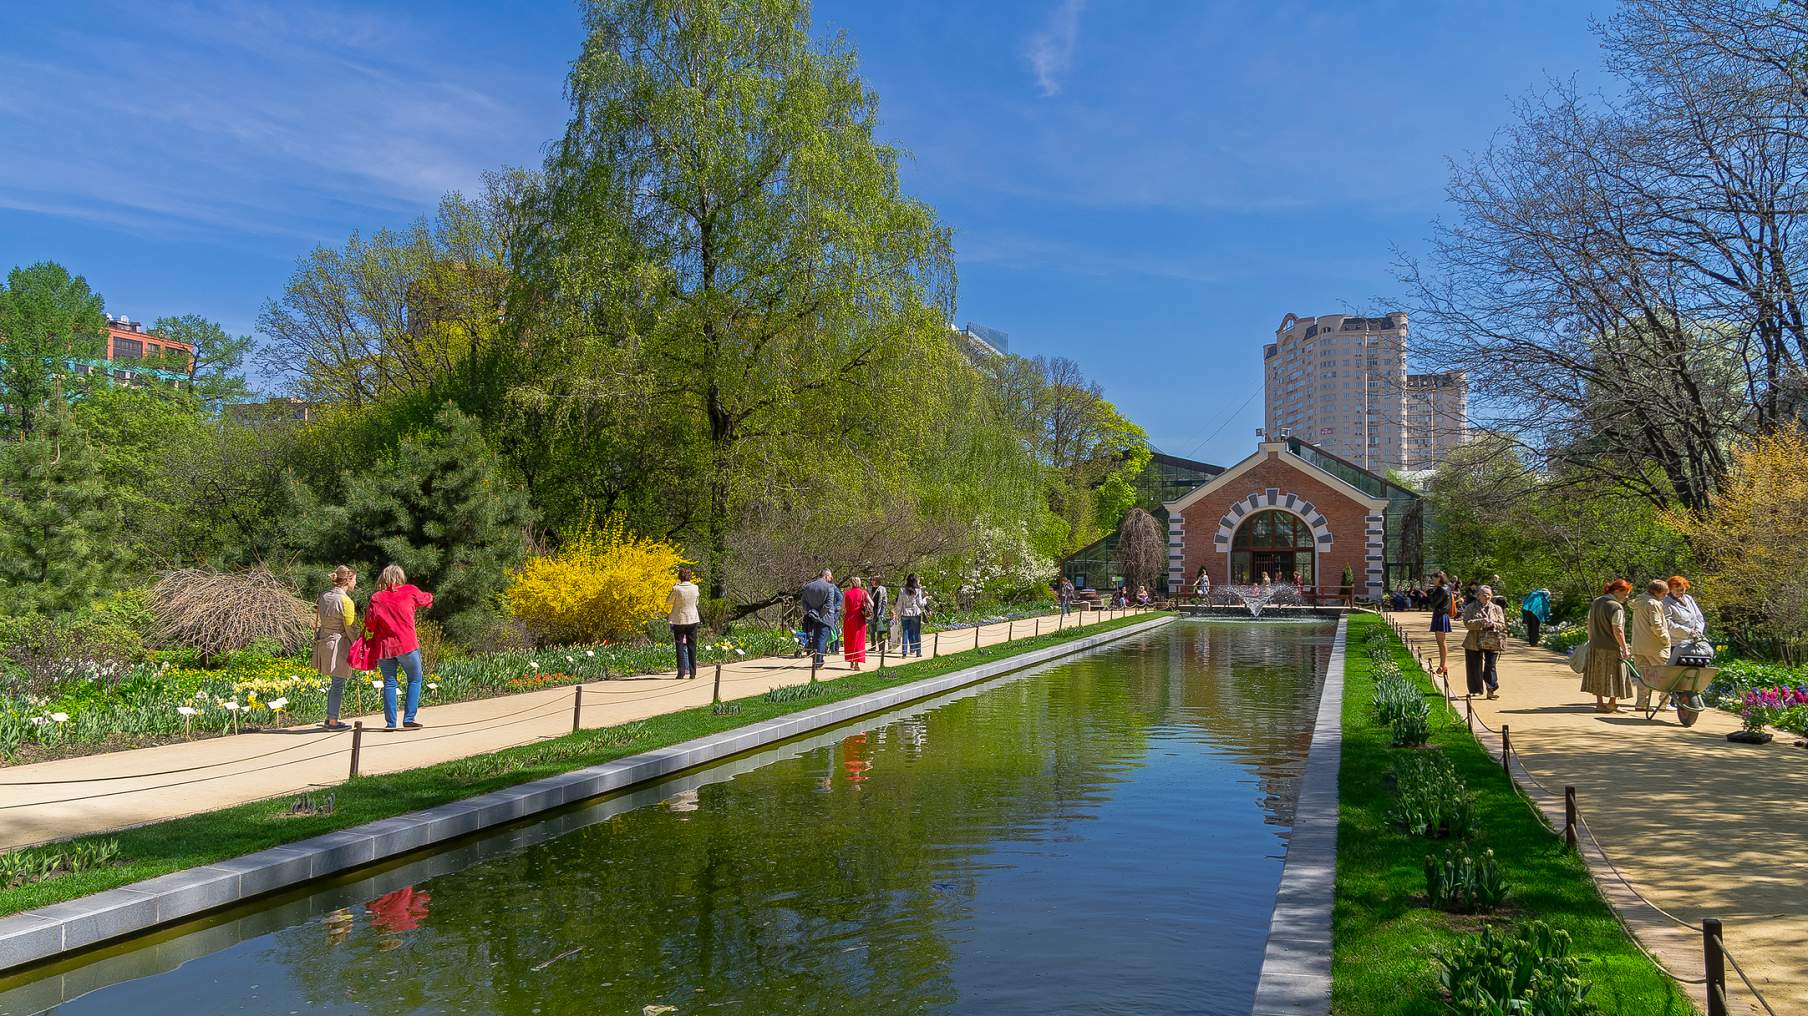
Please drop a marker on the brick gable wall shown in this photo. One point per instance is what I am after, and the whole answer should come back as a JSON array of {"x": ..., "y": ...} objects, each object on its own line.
[{"x": 1354, "y": 535}]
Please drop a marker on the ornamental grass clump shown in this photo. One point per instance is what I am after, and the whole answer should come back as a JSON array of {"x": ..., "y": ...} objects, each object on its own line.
[
  {"x": 24, "y": 867},
  {"x": 214, "y": 613},
  {"x": 603, "y": 585}
]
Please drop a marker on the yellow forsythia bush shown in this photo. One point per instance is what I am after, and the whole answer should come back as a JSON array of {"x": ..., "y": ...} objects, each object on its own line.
[{"x": 605, "y": 584}]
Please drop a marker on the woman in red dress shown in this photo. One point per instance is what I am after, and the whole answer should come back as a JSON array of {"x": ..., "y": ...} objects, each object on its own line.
[{"x": 854, "y": 607}]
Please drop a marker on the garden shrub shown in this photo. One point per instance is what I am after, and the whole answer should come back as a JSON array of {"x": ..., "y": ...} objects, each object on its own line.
[
  {"x": 1529, "y": 972},
  {"x": 1464, "y": 882},
  {"x": 215, "y": 613},
  {"x": 605, "y": 584},
  {"x": 45, "y": 652}
]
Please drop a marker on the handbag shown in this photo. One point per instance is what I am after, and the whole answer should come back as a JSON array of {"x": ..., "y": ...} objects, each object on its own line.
[
  {"x": 362, "y": 655},
  {"x": 1490, "y": 641}
]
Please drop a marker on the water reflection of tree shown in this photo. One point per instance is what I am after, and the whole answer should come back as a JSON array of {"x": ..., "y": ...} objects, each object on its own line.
[
  {"x": 766, "y": 894},
  {"x": 770, "y": 896}
]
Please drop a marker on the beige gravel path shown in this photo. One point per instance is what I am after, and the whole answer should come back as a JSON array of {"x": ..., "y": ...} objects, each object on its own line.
[
  {"x": 98, "y": 793},
  {"x": 1700, "y": 826}
]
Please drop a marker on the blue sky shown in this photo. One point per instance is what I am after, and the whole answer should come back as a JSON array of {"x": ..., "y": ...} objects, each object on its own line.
[{"x": 1146, "y": 187}]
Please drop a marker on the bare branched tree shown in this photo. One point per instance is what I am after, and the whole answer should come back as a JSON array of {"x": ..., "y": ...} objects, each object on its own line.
[{"x": 1619, "y": 281}]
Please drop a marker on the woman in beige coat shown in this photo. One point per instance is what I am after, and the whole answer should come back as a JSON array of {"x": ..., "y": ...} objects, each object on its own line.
[
  {"x": 334, "y": 631},
  {"x": 1486, "y": 628}
]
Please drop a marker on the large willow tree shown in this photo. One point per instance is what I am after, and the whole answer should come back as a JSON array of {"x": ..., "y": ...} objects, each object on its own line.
[{"x": 726, "y": 240}]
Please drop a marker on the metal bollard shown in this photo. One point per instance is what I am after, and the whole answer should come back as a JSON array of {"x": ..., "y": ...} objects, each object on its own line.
[
  {"x": 577, "y": 709},
  {"x": 717, "y": 698},
  {"x": 1713, "y": 955},
  {"x": 357, "y": 746},
  {"x": 1569, "y": 817}
]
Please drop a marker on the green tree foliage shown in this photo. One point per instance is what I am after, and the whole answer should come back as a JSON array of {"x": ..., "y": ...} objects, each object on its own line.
[
  {"x": 440, "y": 506},
  {"x": 46, "y": 317},
  {"x": 216, "y": 370},
  {"x": 1569, "y": 532},
  {"x": 58, "y": 524},
  {"x": 732, "y": 237}
]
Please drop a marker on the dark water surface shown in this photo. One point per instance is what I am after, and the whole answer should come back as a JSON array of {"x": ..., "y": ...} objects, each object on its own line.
[{"x": 1103, "y": 835}]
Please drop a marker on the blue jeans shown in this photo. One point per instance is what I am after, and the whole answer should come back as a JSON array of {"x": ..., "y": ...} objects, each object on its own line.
[
  {"x": 816, "y": 639},
  {"x": 411, "y": 665},
  {"x": 684, "y": 638},
  {"x": 913, "y": 635}
]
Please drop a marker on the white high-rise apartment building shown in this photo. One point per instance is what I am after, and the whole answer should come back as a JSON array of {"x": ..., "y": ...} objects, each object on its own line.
[
  {"x": 1437, "y": 417},
  {"x": 1339, "y": 382}
]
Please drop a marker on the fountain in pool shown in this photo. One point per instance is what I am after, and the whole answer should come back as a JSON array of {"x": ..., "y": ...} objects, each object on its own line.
[{"x": 1256, "y": 597}]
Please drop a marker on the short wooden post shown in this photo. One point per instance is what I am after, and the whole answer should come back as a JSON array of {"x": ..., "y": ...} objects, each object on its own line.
[
  {"x": 1713, "y": 954},
  {"x": 1506, "y": 751},
  {"x": 883, "y": 644},
  {"x": 1037, "y": 632},
  {"x": 815, "y": 665},
  {"x": 1469, "y": 703},
  {"x": 717, "y": 698},
  {"x": 938, "y": 644},
  {"x": 577, "y": 709},
  {"x": 976, "y": 629},
  {"x": 357, "y": 746},
  {"x": 1010, "y": 629},
  {"x": 1569, "y": 817}
]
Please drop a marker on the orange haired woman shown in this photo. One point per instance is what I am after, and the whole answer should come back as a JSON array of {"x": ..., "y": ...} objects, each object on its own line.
[{"x": 1604, "y": 671}]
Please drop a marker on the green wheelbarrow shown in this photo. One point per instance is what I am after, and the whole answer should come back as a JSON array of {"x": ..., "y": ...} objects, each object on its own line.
[{"x": 1680, "y": 686}]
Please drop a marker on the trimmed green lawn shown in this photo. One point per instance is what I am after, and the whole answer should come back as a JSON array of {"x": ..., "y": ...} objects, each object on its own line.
[
  {"x": 158, "y": 849},
  {"x": 1385, "y": 939}
]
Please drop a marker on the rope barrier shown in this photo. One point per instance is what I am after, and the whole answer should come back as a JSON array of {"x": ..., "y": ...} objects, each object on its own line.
[
  {"x": 1508, "y": 752},
  {"x": 167, "y": 786},
  {"x": 173, "y": 772},
  {"x": 1728, "y": 954}
]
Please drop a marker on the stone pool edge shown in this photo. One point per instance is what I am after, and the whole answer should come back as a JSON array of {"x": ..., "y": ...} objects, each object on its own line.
[
  {"x": 36, "y": 936},
  {"x": 1296, "y": 964}
]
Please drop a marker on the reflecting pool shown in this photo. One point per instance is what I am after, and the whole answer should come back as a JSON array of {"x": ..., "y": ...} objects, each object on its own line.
[{"x": 1100, "y": 835}]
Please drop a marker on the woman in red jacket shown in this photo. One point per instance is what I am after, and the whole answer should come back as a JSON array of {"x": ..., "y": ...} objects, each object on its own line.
[{"x": 389, "y": 625}]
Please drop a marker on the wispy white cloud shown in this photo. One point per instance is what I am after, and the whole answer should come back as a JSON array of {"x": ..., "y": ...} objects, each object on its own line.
[
  {"x": 1051, "y": 50},
  {"x": 253, "y": 117}
]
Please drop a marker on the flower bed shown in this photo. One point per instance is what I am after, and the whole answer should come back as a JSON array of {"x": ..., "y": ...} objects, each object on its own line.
[{"x": 169, "y": 697}]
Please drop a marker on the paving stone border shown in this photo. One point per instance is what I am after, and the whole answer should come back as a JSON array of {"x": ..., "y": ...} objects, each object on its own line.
[
  {"x": 47, "y": 933},
  {"x": 1296, "y": 965}
]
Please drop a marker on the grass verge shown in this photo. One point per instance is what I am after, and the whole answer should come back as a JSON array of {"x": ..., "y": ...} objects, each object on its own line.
[
  {"x": 1386, "y": 940},
  {"x": 163, "y": 847}
]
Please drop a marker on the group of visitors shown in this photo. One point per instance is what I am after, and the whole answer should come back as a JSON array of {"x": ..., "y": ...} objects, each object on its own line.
[
  {"x": 387, "y": 638},
  {"x": 1667, "y": 628},
  {"x": 1481, "y": 610},
  {"x": 859, "y": 615}
]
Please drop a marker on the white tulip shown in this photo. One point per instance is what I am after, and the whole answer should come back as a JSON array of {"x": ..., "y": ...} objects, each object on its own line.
[
  {"x": 60, "y": 717},
  {"x": 589, "y": 652}
]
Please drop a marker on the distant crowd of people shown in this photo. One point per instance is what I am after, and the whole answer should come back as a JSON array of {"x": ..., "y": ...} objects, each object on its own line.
[
  {"x": 864, "y": 613},
  {"x": 1667, "y": 628}
]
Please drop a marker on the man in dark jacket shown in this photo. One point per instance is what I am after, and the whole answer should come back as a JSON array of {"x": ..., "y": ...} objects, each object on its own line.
[{"x": 818, "y": 599}]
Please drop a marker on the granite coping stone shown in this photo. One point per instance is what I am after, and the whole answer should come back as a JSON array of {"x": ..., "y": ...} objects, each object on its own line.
[
  {"x": 42, "y": 934},
  {"x": 1296, "y": 963}
]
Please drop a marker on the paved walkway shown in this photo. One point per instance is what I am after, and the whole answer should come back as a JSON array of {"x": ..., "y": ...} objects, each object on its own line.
[
  {"x": 1700, "y": 826},
  {"x": 99, "y": 793}
]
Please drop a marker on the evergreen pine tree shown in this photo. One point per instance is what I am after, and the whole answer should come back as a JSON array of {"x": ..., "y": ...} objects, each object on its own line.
[
  {"x": 59, "y": 526},
  {"x": 440, "y": 506}
]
